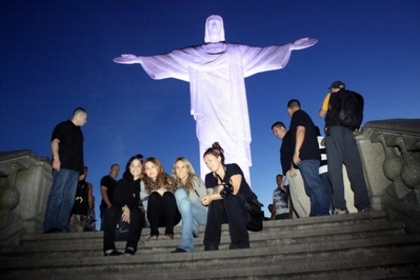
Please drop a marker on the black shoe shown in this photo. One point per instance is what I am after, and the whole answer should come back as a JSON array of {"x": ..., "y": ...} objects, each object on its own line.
[
  {"x": 179, "y": 250},
  {"x": 129, "y": 252},
  {"x": 210, "y": 248},
  {"x": 113, "y": 253},
  {"x": 53, "y": 230}
]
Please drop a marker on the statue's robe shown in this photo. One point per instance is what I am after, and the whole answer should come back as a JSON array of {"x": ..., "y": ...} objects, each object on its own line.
[{"x": 218, "y": 96}]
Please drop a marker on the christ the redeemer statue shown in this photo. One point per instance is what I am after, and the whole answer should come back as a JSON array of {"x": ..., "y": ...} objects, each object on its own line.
[{"x": 216, "y": 72}]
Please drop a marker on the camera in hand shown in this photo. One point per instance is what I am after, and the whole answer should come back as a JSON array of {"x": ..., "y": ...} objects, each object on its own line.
[{"x": 227, "y": 189}]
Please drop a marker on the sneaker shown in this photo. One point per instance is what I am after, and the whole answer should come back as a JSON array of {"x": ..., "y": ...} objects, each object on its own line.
[{"x": 338, "y": 211}]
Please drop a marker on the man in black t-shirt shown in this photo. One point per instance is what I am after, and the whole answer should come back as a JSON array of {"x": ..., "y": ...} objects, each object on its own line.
[
  {"x": 67, "y": 163},
  {"x": 307, "y": 157},
  {"x": 108, "y": 184},
  {"x": 301, "y": 203}
]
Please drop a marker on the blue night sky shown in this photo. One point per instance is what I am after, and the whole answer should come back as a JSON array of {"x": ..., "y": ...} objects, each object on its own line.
[{"x": 57, "y": 55}]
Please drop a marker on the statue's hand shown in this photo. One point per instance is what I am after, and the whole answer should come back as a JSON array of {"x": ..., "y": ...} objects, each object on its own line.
[
  {"x": 303, "y": 43},
  {"x": 127, "y": 59}
]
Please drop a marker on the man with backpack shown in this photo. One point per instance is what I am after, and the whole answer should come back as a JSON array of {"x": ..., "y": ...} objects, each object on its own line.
[{"x": 343, "y": 112}]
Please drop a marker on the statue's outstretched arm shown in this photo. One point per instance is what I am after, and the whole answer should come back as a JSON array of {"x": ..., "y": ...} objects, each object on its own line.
[
  {"x": 128, "y": 59},
  {"x": 303, "y": 43}
]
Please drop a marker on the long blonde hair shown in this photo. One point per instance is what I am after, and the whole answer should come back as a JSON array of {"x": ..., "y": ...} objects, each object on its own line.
[{"x": 189, "y": 184}]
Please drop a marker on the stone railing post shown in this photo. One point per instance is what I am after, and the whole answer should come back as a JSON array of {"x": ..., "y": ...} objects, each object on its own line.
[
  {"x": 390, "y": 151},
  {"x": 25, "y": 181}
]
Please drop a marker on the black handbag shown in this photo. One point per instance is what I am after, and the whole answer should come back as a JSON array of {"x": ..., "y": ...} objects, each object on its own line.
[{"x": 253, "y": 214}]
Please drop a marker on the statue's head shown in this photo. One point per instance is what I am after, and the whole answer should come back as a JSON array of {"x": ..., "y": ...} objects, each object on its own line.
[{"x": 214, "y": 30}]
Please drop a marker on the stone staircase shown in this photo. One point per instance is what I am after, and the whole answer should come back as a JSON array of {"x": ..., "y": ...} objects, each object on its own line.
[{"x": 351, "y": 246}]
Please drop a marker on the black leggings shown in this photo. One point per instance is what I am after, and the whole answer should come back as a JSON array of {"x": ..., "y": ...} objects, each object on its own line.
[
  {"x": 231, "y": 207},
  {"x": 162, "y": 212},
  {"x": 113, "y": 215}
]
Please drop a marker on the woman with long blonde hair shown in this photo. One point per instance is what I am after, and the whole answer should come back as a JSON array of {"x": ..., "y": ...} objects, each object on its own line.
[
  {"x": 161, "y": 206},
  {"x": 190, "y": 191}
]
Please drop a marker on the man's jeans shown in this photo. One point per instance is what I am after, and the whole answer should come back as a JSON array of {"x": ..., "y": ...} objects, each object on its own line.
[
  {"x": 192, "y": 214},
  {"x": 314, "y": 187},
  {"x": 61, "y": 199}
]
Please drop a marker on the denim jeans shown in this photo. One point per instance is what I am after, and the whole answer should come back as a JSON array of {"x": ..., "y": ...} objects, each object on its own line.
[
  {"x": 192, "y": 214},
  {"x": 314, "y": 187},
  {"x": 61, "y": 199}
]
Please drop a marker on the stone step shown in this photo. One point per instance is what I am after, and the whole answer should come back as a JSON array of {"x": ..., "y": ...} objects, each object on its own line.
[
  {"x": 93, "y": 247},
  {"x": 292, "y": 224},
  {"x": 266, "y": 261},
  {"x": 351, "y": 246}
]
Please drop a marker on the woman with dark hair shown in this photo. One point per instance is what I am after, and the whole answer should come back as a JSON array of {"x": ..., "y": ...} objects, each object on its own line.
[
  {"x": 125, "y": 206},
  {"x": 161, "y": 206},
  {"x": 227, "y": 202},
  {"x": 190, "y": 190}
]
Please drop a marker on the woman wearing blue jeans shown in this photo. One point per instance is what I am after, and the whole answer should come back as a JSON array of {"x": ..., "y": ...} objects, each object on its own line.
[{"x": 190, "y": 191}]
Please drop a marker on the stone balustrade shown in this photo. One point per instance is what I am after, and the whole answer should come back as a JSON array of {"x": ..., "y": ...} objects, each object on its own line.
[
  {"x": 25, "y": 182},
  {"x": 390, "y": 151}
]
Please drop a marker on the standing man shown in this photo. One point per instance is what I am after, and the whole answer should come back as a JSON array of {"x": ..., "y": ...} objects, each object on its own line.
[
  {"x": 108, "y": 184},
  {"x": 67, "y": 164},
  {"x": 307, "y": 157},
  {"x": 342, "y": 148},
  {"x": 301, "y": 202},
  {"x": 281, "y": 205}
]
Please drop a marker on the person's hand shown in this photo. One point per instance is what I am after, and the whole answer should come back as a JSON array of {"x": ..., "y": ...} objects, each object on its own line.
[
  {"x": 125, "y": 217},
  {"x": 293, "y": 173},
  {"x": 56, "y": 164},
  {"x": 127, "y": 59},
  {"x": 81, "y": 177},
  {"x": 206, "y": 200},
  {"x": 296, "y": 158},
  {"x": 303, "y": 43}
]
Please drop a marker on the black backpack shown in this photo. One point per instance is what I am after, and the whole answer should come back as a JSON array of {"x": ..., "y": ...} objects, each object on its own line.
[{"x": 348, "y": 110}]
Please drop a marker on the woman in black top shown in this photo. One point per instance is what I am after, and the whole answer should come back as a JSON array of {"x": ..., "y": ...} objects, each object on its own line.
[
  {"x": 227, "y": 201},
  {"x": 125, "y": 206}
]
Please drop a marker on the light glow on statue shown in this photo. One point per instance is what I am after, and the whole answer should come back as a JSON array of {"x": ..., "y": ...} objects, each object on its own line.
[{"x": 216, "y": 72}]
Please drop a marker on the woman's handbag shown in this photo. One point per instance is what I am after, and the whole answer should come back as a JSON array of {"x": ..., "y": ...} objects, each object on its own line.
[{"x": 253, "y": 215}]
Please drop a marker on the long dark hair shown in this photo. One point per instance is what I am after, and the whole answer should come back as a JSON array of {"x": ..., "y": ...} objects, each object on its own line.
[
  {"x": 216, "y": 150},
  {"x": 127, "y": 166}
]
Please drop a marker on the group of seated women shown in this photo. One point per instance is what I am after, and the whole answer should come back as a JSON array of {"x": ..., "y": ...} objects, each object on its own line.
[{"x": 145, "y": 189}]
